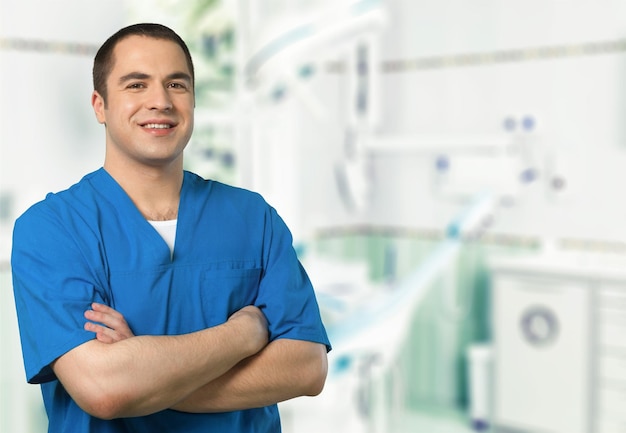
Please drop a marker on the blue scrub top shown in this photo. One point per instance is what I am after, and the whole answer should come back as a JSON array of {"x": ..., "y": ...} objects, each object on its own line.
[{"x": 91, "y": 244}]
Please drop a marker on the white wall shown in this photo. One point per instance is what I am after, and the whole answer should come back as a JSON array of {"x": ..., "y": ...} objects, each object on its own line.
[
  {"x": 577, "y": 100},
  {"x": 49, "y": 135}
]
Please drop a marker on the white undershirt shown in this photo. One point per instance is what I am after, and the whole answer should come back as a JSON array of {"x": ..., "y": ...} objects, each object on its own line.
[{"x": 167, "y": 230}]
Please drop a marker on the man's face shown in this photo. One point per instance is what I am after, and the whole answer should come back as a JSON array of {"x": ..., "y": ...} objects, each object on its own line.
[{"x": 150, "y": 101}]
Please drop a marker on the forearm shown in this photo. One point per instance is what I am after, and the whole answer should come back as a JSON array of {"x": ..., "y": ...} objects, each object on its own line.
[
  {"x": 146, "y": 374},
  {"x": 284, "y": 369}
]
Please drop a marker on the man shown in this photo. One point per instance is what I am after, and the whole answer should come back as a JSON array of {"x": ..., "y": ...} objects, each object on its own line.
[{"x": 148, "y": 298}]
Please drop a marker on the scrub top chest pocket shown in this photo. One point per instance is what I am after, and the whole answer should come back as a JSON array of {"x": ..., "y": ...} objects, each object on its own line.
[{"x": 229, "y": 290}]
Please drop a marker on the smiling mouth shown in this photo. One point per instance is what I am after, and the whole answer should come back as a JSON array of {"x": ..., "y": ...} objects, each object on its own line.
[{"x": 157, "y": 126}]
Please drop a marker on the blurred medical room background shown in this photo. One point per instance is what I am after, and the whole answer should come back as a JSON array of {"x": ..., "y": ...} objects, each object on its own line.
[{"x": 452, "y": 172}]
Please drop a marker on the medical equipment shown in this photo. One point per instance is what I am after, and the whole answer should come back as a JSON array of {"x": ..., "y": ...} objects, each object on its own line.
[
  {"x": 559, "y": 345},
  {"x": 365, "y": 387}
]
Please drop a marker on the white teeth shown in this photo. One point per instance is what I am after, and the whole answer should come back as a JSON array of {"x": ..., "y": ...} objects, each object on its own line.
[{"x": 157, "y": 126}]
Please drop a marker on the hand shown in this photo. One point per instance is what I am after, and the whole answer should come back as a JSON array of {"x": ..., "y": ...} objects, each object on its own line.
[
  {"x": 256, "y": 326},
  {"x": 111, "y": 326}
]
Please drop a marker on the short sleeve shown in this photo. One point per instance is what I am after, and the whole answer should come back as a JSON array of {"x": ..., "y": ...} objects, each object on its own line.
[
  {"x": 286, "y": 295},
  {"x": 53, "y": 287}
]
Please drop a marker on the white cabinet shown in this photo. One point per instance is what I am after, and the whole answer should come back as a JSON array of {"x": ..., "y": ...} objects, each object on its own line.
[
  {"x": 559, "y": 346},
  {"x": 541, "y": 353}
]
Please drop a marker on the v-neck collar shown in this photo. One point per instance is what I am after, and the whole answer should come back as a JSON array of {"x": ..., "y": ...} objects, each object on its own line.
[{"x": 113, "y": 192}]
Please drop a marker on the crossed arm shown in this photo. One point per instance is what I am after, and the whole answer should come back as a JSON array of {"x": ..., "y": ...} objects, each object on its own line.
[{"x": 227, "y": 367}]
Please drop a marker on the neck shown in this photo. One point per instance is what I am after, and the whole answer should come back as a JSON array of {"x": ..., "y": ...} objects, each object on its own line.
[{"x": 155, "y": 191}]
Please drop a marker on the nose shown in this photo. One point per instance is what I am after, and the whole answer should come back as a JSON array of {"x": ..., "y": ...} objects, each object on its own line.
[{"x": 159, "y": 99}]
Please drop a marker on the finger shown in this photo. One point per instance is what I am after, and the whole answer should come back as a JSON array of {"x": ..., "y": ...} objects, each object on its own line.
[
  {"x": 106, "y": 310},
  {"x": 110, "y": 318},
  {"x": 103, "y": 308},
  {"x": 104, "y": 334},
  {"x": 104, "y": 338},
  {"x": 107, "y": 319}
]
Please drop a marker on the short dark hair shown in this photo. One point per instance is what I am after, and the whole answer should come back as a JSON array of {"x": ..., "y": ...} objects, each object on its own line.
[{"x": 103, "y": 62}]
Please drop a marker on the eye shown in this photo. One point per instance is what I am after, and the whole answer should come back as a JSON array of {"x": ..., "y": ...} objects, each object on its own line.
[
  {"x": 136, "y": 86},
  {"x": 177, "y": 85}
]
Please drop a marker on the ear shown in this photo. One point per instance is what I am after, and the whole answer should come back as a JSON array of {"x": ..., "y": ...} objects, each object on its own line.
[{"x": 97, "y": 102}]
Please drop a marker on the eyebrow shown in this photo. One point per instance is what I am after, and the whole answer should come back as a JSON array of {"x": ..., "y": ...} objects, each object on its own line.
[{"x": 143, "y": 76}]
